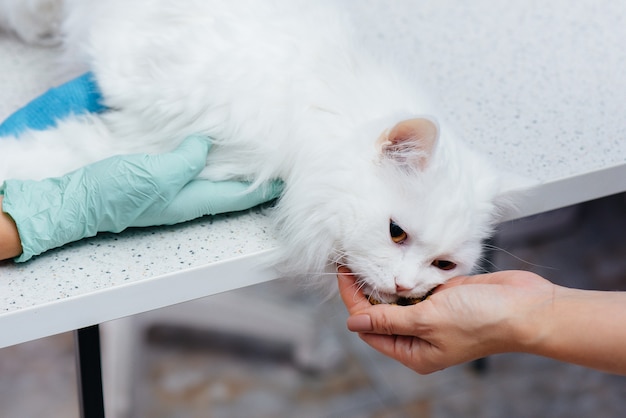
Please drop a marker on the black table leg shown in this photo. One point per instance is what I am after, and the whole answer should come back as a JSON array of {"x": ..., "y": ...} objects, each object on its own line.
[{"x": 89, "y": 372}]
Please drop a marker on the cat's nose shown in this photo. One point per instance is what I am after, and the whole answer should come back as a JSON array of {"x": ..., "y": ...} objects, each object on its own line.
[{"x": 400, "y": 288}]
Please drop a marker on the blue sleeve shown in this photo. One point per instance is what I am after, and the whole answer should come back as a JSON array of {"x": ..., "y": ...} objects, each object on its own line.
[{"x": 80, "y": 95}]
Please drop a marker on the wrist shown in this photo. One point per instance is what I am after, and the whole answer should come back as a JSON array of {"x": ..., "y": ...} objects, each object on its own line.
[
  {"x": 10, "y": 243},
  {"x": 562, "y": 325},
  {"x": 44, "y": 216},
  {"x": 582, "y": 327},
  {"x": 533, "y": 323}
]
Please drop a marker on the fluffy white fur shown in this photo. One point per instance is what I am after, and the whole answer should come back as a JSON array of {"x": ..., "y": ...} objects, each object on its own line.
[
  {"x": 286, "y": 92},
  {"x": 34, "y": 21}
]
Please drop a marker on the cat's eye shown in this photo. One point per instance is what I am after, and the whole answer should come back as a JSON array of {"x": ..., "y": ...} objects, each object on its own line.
[
  {"x": 444, "y": 264},
  {"x": 397, "y": 234}
]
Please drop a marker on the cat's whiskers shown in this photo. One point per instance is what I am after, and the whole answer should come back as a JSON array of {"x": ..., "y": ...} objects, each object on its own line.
[
  {"x": 494, "y": 247},
  {"x": 328, "y": 273},
  {"x": 358, "y": 287},
  {"x": 483, "y": 264},
  {"x": 338, "y": 256}
]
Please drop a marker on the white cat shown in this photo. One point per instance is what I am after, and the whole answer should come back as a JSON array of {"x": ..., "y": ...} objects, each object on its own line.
[
  {"x": 286, "y": 91},
  {"x": 34, "y": 21}
]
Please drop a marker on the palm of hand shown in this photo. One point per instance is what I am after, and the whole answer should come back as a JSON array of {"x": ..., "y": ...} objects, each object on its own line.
[{"x": 466, "y": 318}]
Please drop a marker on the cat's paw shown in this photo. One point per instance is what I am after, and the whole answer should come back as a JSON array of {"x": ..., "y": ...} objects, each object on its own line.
[{"x": 36, "y": 22}]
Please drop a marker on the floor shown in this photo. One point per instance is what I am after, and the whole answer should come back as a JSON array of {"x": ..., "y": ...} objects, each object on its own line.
[{"x": 185, "y": 371}]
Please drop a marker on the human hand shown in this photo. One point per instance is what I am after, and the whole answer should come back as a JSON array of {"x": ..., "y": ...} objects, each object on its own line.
[
  {"x": 120, "y": 192},
  {"x": 467, "y": 318},
  {"x": 179, "y": 197},
  {"x": 80, "y": 95}
]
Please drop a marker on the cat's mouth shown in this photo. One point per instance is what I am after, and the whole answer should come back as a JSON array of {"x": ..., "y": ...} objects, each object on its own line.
[{"x": 399, "y": 300}]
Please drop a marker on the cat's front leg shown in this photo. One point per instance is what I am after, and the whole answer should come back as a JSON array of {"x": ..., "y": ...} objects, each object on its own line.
[{"x": 73, "y": 143}]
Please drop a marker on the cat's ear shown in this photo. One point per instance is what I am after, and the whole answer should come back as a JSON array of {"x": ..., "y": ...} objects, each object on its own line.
[{"x": 410, "y": 142}]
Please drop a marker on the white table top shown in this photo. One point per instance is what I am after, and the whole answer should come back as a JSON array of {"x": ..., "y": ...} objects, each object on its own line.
[{"x": 539, "y": 86}]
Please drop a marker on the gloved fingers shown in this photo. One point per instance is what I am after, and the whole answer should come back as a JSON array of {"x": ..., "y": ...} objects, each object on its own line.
[
  {"x": 146, "y": 179},
  {"x": 203, "y": 197},
  {"x": 181, "y": 165},
  {"x": 210, "y": 198}
]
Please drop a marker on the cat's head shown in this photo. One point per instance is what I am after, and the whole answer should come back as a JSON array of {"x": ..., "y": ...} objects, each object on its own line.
[
  {"x": 405, "y": 216},
  {"x": 422, "y": 215}
]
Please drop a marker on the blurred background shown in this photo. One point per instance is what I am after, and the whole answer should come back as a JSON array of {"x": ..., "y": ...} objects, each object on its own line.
[{"x": 275, "y": 350}]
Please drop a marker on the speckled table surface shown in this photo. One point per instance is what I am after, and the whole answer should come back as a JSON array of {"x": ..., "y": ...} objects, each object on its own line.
[{"x": 539, "y": 86}]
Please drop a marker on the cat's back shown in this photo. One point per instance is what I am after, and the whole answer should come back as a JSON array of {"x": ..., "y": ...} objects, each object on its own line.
[
  {"x": 189, "y": 27},
  {"x": 191, "y": 54}
]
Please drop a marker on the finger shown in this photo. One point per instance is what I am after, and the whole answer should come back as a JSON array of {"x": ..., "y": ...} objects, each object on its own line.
[
  {"x": 205, "y": 197},
  {"x": 202, "y": 197},
  {"x": 187, "y": 160},
  {"x": 385, "y": 344},
  {"x": 487, "y": 278},
  {"x": 152, "y": 182},
  {"x": 266, "y": 192},
  {"x": 414, "y": 353},
  {"x": 350, "y": 292},
  {"x": 394, "y": 346},
  {"x": 394, "y": 320},
  {"x": 455, "y": 281},
  {"x": 378, "y": 319},
  {"x": 169, "y": 172}
]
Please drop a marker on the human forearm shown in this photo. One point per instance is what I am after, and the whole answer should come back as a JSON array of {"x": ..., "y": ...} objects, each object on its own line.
[
  {"x": 586, "y": 328},
  {"x": 10, "y": 244}
]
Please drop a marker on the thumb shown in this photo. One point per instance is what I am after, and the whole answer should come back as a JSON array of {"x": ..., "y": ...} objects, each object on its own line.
[
  {"x": 182, "y": 164},
  {"x": 377, "y": 319},
  {"x": 389, "y": 319},
  {"x": 194, "y": 148}
]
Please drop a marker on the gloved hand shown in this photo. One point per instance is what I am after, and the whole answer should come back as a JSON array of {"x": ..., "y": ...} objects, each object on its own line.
[
  {"x": 120, "y": 192},
  {"x": 113, "y": 194},
  {"x": 77, "y": 96}
]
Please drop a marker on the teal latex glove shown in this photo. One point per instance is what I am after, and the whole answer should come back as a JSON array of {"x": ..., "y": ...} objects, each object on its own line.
[
  {"x": 113, "y": 194},
  {"x": 77, "y": 96},
  {"x": 120, "y": 192}
]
